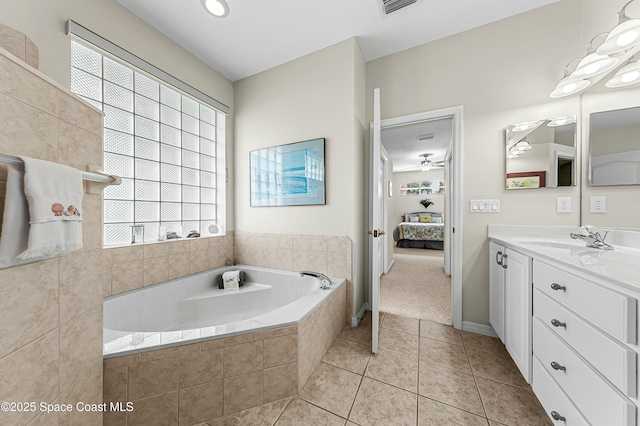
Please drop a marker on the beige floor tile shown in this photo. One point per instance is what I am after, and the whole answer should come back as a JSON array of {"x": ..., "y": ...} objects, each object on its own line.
[
  {"x": 366, "y": 318},
  {"x": 263, "y": 415},
  {"x": 444, "y": 354},
  {"x": 434, "y": 413},
  {"x": 400, "y": 323},
  {"x": 394, "y": 369},
  {"x": 300, "y": 412},
  {"x": 381, "y": 404},
  {"x": 511, "y": 405},
  {"x": 349, "y": 355},
  {"x": 400, "y": 343},
  {"x": 496, "y": 367},
  {"x": 441, "y": 332},
  {"x": 332, "y": 389},
  {"x": 492, "y": 423},
  {"x": 483, "y": 343},
  {"x": 360, "y": 334},
  {"x": 450, "y": 387}
]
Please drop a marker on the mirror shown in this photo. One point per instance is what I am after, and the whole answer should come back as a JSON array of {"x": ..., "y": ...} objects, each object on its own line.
[
  {"x": 614, "y": 147},
  {"x": 541, "y": 154}
]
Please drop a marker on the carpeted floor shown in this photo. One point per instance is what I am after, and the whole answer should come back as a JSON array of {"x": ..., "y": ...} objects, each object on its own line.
[{"x": 417, "y": 287}]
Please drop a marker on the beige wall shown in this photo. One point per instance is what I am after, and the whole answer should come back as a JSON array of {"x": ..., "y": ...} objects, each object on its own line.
[
  {"x": 44, "y": 23},
  {"x": 411, "y": 203},
  {"x": 501, "y": 74},
  {"x": 318, "y": 95}
]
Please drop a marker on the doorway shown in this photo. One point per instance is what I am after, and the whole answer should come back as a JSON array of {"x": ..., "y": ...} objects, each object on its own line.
[{"x": 450, "y": 257}]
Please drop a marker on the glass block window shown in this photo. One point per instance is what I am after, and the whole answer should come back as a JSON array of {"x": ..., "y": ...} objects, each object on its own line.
[{"x": 159, "y": 140}]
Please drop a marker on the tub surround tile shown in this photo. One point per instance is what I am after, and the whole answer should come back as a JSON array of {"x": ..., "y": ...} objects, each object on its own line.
[
  {"x": 200, "y": 403},
  {"x": 495, "y": 367},
  {"x": 511, "y": 405},
  {"x": 79, "y": 286},
  {"x": 444, "y": 354},
  {"x": 156, "y": 250},
  {"x": 31, "y": 54},
  {"x": 244, "y": 358},
  {"x": 47, "y": 419},
  {"x": 127, "y": 276},
  {"x": 197, "y": 244},
  {"x": 280, "y": 382},
  {"x": 242, "y": 392},
  {"x": 76, "y": 147},
  {"x": 75, "y": 357},
  {"x": 300, "y": 412},
  {"x": 227, "y": 341},
  {"x": 349, "y": 355},
  {"x": 92, "y": 222},
  {"x": 280, "y": 350},
  {"x": 379, "y": 403},
  {"x": 115, "y": 384},
  {"x": 157, "y": 411},
  {"x": 79, "y": 113},
  {"x": 275, "y": 332},
  {"x": 332, "y": 388},
  {"x": 441, "y": 332},
  {"x": 152, "y": 378},
  {"x": 301, "y": 260},
  {"x": 394, "y": 369},
  {"x": 26, "y": 314},
  {"x": 174, "y": 352},
  {"x": 318, "y": 261},
  {"x": 121, "y": 361},
  {"x": 87, "y": 390},
  {"x": 263, "y": 415},
  {"x": 126, "y": 254},
  {"x": 175, "y": 247},
  {"x": 285, "y": 259},
  {"x": 451, "y": 387},
  {"x": 199, "y": 261},
  {"x": 156, "y": 270},
  {"x": 180, "y": 265},
  {"x": 26, "y": 86},
  {"x": 200, "y": 367},
  {"x": 434, "y": 413},
  {"x": 483, "y": 343},
  {"x": 13, "y": 41}
]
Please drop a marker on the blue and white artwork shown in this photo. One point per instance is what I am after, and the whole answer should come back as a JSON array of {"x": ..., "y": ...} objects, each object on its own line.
[{"x": 288, "y": 175}]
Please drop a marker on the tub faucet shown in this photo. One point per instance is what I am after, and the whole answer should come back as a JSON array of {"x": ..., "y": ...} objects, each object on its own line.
[
  {"x": 325, "y": 281},
  {"x": 592, "y": 237}
]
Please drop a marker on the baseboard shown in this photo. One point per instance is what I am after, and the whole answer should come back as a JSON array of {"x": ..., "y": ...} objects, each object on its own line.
[
  {"x": 389, "y": 266},
  {"x": 355, "y": 320},
  {"x": 473, "y": 327}
]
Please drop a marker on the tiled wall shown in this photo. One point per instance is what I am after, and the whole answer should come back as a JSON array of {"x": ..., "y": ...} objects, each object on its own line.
[
  {"x": 19, "y": 45},
  {"x": 193, "y": 383},
  {"x": 50, "y": 311},
  {"x": 294, "y": 252},
  {"x": 129, "y": 268}
]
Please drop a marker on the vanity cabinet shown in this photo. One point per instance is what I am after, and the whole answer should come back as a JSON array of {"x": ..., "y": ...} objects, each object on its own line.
[{"x": 510, "y": 303}]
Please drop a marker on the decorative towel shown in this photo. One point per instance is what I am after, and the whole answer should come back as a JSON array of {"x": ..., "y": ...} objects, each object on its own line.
[
  {"x": 15, "y": 221},
  {"x": 54, "y": 194},
  {"x": 231, "y": 280}
]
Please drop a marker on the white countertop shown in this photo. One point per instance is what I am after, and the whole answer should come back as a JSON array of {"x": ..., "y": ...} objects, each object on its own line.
[{"x": 620, "y": 266}]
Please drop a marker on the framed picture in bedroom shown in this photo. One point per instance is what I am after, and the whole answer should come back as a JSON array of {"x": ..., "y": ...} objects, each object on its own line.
[{"x": 288, "y": 175}]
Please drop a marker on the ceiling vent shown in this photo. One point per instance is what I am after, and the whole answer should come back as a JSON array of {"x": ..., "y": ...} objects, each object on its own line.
[
  {"x": 426, "y": 137},
  {"x": 390, "y": 6}
]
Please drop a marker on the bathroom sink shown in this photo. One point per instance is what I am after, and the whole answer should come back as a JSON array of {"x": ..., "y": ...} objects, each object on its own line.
[{"x": 556, "y": 244}]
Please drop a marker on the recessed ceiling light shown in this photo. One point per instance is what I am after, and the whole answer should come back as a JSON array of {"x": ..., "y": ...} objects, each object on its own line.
[{"x": 218, "y": 8}]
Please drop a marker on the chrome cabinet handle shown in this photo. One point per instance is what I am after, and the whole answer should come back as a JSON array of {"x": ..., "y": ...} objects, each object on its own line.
[
  {"x": 557, "y": 366},
  {"x": 556, "y": 323},
  {"x": 557, "y": 416},
  {"x": 499, "y": 254},
  {"x": 504, "y": 257},
  {"x": 556, "y": 286}
]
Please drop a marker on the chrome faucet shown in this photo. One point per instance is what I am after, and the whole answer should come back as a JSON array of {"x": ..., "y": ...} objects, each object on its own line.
[
  {"x": 325, "y": 281},
  {"x": 592, "y": 237}
]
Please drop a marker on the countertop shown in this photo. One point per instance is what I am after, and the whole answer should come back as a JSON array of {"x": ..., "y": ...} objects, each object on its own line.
[{"x": 620, "y": 266}]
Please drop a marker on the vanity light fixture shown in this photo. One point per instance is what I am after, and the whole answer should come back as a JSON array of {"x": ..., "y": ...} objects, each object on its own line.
[
  {"x": 568, "y": 85},
  {"x": 521, "y": 127},
  {"x": 523, "y": 145},
  {"x": 626, "y": 76},
  {"x": 594, "y": 64},
  {"x": 623, "y": 37},
  {"x": 562, "y": 121},
  {"x": 218, "y": 8}
]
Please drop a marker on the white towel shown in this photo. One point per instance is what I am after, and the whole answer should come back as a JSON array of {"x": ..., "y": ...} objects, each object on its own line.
[
  {"x": 15, "y": 221},
  {"x": 54, "y": 194},
  {"x": 231, "y": 280}
]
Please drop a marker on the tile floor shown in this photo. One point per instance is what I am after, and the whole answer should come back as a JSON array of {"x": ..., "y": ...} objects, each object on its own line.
[{"x": 424, "y": 374}]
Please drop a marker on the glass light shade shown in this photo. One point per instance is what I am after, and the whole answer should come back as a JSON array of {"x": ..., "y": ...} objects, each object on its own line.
[
  {"x": 218, "y": 8},
  {"x": 626, "y": 76},
  {"x": 592, "y": 65},
  {"x": 521, "y": 127},
  {"x": 523, "y": 145},
  {"x": 624, "y": 36},
  {"x": 561, "y": 121},
  {"x": 513, "y": 155},
  {"x": 567, "y": 87},
  {"x": 425, "y": 167}
]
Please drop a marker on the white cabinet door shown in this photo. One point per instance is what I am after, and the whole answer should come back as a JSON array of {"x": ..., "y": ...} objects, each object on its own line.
[
  {"x": 518, "y": 310},
  {"x": 496, "y": 289}
]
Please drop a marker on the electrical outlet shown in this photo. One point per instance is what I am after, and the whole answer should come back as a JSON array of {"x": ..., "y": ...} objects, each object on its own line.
[
  {"x": 597, "y": 204},
  {"x": 563, "y": 205}
]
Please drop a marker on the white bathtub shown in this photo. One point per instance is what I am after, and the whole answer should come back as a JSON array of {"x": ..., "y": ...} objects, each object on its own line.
[{"x": 192, "y": 308}]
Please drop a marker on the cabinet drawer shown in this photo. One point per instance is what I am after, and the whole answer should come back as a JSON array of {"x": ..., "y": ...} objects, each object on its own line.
[
  {"x": 553, "y": 399},
  {"x": 612, "y": 311},
  {"x": 612, "y": 359},
  {"x": 596, "y": 398}
]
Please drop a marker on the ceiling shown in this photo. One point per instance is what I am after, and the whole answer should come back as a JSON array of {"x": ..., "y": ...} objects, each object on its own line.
[
  {"x": 260, "y": 34},
  {"x": 404, "y": 148}
]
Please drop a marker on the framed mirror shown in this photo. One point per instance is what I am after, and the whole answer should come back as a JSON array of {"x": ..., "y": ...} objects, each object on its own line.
[
  {"x": 614, "y": 147},
  {"x": 541, "y": 154}
]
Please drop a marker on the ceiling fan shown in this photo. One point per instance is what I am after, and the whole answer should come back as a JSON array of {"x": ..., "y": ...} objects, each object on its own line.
[{"x": 426, "y": 164}]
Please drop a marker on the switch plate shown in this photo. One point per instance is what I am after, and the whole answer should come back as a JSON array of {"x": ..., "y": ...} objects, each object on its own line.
[
  {"x": 563, "y": 205},
  {"x": 484, "y": 206},
  {"x": 598, "y": 204}
]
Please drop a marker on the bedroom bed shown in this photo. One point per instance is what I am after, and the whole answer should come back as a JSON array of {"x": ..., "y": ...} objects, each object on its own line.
[{"x": 420, "y": 230}]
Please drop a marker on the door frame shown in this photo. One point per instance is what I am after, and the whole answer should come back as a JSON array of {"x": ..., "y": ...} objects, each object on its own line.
[{"x": 454, "y": 222}]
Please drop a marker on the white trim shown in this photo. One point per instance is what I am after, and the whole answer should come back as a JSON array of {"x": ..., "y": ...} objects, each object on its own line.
[
  {"x": 78, "y": 30},
  {"x": 390, "y": 265},
  {"x": 355, "y": 320},
  {"x": 473, "y": 327}
]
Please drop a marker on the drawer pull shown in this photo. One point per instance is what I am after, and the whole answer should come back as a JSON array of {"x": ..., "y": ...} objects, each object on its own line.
[
  {"x": 556, "y": 286},
  {"x": 557, "y": 366},
  {"x": 557, "y": 416},
  {"x": 556, "y": 323}
]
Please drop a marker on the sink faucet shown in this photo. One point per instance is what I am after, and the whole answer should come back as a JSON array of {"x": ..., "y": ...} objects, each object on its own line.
[
  {"x": 325, "y": 281},
  {"x": 592, "y": 237}
]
